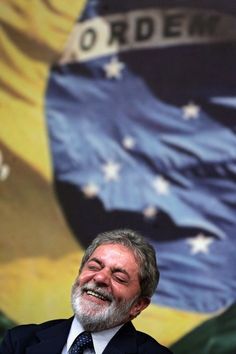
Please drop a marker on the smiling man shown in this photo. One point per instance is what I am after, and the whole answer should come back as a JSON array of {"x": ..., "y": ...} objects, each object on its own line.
[{"x": 117, "y": 277}]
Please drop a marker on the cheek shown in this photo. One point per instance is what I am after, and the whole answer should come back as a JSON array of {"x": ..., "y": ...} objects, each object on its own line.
[
  {"x": 127, "y": 293},
  {"x": 84, "y": 278},
  {"x": 120, "y": 293}
]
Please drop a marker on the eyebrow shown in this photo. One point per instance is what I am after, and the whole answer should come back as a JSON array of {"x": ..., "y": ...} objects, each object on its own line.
[
  {"x": 94, "y": 259},
  {"x": 122, "y": 270}
]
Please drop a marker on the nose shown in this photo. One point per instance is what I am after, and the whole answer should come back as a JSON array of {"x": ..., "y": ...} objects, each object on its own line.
[{"x": 102, "y": 278}]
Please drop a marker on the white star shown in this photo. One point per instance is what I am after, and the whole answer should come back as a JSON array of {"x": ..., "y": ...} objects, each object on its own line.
[
  {"x": 200, "y": 243},
  {"x": 113, "y": 68},
  {"x": 150, "y": 212},
  {"x": 190, "y": 111},
  {"x": 4, "y": 172},
  {"x": 90, "y": 190},
  {"x": 4, "y": 169},
  {"x": 128, "y": 142},
  {"x": 111, "y": 171},
  {"x": 161, "y": 185}
]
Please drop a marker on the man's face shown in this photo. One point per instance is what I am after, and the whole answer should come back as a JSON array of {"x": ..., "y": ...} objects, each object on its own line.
[{"x": 106, "y": 293}]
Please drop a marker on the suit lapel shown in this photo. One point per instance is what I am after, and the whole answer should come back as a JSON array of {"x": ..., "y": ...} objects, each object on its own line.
[
  {"x": 52, "y": 339},
  {"x": 124, "y": 341}
]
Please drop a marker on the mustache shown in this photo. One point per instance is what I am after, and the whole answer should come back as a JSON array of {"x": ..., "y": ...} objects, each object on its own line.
[{"x": 96, "y": 289}]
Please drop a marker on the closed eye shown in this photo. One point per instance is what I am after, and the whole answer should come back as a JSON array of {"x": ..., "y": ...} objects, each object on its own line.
[
  {"x": 120, "y": 280},
  {"x": 94, "y": 264},
  {"x": 93, "y": 267},
  {"x": 121, "y": 276}
]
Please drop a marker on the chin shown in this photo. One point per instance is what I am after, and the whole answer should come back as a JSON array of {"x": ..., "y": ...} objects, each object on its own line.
[{"x": 96, "y": 317}]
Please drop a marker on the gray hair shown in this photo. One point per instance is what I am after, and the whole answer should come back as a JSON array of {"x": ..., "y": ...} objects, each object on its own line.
[{"x": 143, "y": 252}]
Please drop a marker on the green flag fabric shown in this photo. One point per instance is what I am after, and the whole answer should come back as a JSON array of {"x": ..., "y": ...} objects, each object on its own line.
[
  {"x": 5, "y": 323},
  {"x": 215, "y": 336}
]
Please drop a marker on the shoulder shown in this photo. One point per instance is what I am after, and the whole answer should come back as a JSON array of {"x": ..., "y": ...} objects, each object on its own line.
[
  {"x": 146, "y": 343},
  {"x": 140, "y": 342},
  {"x": 24, "y": 335},
  {"x": 28, "y": 329}
]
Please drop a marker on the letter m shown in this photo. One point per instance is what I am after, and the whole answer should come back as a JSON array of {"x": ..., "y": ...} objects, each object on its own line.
[{"x": 203, "y": 25}]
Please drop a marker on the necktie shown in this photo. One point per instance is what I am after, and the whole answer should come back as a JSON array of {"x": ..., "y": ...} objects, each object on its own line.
[{"x": 82, "y": 341}]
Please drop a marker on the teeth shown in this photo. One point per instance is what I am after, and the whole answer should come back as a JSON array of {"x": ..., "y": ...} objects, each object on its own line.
[{"x": 90, "y": 292}]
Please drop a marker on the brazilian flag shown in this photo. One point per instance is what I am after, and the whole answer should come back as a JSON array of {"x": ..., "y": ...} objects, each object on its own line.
[
  {"x": 120, "y": 115},
  {"x": 213, "y": 336}
]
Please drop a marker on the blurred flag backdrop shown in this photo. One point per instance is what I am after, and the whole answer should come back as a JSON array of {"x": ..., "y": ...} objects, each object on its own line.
[{"x": 121, "y": 114}]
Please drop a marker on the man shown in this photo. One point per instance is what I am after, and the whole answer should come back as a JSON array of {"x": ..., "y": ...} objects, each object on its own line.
[{"x": 117, "y": 277}]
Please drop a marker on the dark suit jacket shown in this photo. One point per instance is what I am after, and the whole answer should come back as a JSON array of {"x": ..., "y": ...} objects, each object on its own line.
[{"x": 50, "y": 337}]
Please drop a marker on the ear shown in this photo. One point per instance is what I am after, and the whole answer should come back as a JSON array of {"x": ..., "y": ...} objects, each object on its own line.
[{"x": 139, "y": 306}]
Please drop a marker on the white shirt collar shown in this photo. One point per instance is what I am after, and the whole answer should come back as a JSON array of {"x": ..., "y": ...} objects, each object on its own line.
[{"x": 100, "y": 339}]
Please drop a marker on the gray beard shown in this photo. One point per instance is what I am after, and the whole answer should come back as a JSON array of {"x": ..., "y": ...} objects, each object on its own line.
[{"x": 95, "y": 317}]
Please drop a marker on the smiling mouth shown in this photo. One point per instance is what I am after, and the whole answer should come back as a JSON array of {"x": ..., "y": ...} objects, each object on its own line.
[{"x": 98, "y": 295}]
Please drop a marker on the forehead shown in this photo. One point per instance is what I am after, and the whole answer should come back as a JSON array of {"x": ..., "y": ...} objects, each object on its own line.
[{"x": 115, "y": 254}]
